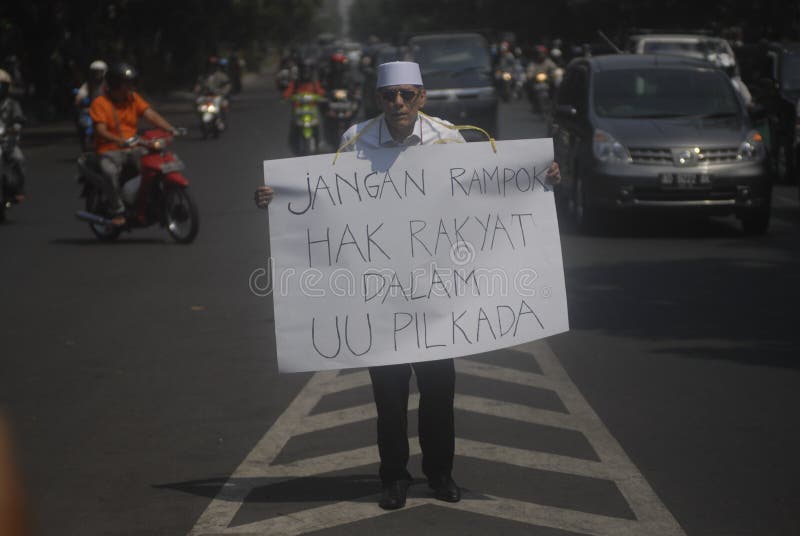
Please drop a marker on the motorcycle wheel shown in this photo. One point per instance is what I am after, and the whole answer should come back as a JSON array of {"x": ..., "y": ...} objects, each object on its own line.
[
  {"x": 2, "y": 210},
  {"x": 95, "y": 205},
  {"x": 180, "y": 215}
]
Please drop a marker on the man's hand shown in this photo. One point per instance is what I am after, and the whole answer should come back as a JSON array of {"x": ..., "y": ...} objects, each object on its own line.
[
  {"x": 553, "y": 174},
  {"x": 130, "y": 142},
  {"x": 263, "y": 196}
]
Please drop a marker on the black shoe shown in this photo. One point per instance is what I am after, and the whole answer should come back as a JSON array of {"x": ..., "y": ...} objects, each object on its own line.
[
  {"x": 445, "y": 489},
  {"x": 394, "y": 495}
]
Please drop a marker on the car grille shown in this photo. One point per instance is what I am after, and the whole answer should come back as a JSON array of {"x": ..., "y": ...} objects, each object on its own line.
[
  {"x": 645, "y": 193},
  {"x": 658, "y": 156}
]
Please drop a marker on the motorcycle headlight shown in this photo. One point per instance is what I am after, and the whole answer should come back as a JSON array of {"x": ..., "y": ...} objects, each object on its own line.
[
  {"x": 211, "y": 109},
  {"x": 507, "y": 76},
  {"x": 607, "y": 149},
  {"x": 159, "y": 144},
  {"x": 340, "y": 94},
  {"x": 541, "y": 77},
  {"x": 752, "y": 148}
]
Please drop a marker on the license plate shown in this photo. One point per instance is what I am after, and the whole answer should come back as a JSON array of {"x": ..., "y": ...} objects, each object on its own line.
[
  {"x": 685, "y": 181},
  {"x": 169, "y": 167},
  {"x": 340, "y": 106}
]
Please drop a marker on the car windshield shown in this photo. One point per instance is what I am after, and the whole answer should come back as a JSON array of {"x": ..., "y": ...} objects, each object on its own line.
[
  {"x": 450, "y": 55},
  {"x": 656, "y": 93},
  {"x": 672, "y": 47},
  {"x": 791, "y": 71}
]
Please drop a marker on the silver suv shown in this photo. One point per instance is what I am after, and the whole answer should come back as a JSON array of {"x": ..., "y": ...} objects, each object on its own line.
[{"x": 644, "y": 132}]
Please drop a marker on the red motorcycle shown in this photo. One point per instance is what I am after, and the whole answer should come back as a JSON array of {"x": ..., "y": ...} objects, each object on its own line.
[{"x": 160, "y": 194}]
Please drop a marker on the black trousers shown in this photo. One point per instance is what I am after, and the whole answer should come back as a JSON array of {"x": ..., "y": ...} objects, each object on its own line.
[{"x": 436, "y": 382}]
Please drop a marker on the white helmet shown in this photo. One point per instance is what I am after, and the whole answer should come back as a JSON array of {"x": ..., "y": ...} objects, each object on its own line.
[
  {"x": 4, "y": 77},
  {"x": 98, "y": 65}
]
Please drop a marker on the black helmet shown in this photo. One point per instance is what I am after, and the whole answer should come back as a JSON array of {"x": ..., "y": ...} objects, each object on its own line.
[{"x": 119, "y": 73}]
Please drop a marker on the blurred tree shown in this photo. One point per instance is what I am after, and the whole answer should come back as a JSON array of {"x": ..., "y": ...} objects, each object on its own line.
[{"x": 55, "y": 40}]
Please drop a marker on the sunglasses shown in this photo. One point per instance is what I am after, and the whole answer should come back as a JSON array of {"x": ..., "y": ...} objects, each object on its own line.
[{"x": 390, "y": 95}]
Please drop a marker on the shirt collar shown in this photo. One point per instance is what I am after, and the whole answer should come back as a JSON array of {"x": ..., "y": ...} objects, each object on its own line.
[{"x": 385, "y": 137}]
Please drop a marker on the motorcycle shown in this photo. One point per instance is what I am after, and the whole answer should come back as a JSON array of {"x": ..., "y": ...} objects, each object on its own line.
[
  {"x": 305, "y": 123},
  {"x": 340, "y": 111},
  {"x": 10, "y": 172},
  {"x": 504, "y": 80},
  {"x": 158, "y": 195},
  {"x": 211, "y": 109},
  {"x": 539, "y": 93}
]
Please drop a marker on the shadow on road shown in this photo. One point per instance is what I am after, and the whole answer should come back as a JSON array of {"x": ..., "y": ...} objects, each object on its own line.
[
  {"x": 306, "y": 489},
  {"x": 118, "y": 242},
  {"x": 739, "y": 309}
]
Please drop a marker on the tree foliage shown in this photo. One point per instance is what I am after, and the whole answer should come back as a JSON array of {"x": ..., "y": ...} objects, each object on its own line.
[
  {"x": 579, "y": 20},
  {"x": 168, "y": 40}
]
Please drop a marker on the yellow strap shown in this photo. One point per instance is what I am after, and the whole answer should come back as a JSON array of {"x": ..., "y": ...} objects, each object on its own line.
[
  {"x": 352, "y": 140},
  {"x": 460, "y": 127}
]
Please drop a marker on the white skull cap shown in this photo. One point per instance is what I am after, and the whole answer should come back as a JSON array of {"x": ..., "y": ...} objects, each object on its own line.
[{"x": 396, "y": 73}]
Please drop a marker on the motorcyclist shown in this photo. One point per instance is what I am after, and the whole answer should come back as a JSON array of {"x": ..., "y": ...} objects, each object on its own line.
[
  {"x": 215, "y": 81},
  {"x": 116, "y": 116},
  {"x": 306, "y": 82},
  {"x": 540, "y": 63},
  {"x": 339, "y": 75},
  {"x": 13, "y": 118},
  {"x": 94, "y": 86}
]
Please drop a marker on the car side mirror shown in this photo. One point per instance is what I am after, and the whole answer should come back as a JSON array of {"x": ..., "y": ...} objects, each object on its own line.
[{"x": 565, "y": 110}]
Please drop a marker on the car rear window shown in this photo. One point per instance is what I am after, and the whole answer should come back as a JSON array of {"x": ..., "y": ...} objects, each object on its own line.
[
  {"x": 450, "y": 54},
  {"x": 663, "y": 93}
]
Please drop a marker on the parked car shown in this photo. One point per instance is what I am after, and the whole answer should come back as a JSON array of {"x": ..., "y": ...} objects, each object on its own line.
[
  {"x": 772, "y": 72},
  {"x": 657, "y": 132},
  {"x": 459, "y": 83}
]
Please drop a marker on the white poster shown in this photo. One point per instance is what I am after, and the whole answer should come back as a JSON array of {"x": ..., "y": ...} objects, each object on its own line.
[{"x": 403, "y": 255}]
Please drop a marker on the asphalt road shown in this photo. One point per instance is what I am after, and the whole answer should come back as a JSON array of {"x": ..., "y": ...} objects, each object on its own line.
[{"x": 141, "y": 380}]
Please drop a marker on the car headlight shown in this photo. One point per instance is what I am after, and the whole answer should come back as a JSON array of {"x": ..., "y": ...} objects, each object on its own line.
[
  {"x": 607, "y": 149},
  {"x": 752, "y": 148}
]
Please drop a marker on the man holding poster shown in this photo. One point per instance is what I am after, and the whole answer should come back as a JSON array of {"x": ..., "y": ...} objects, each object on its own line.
[{"x": 401, "y": 95}]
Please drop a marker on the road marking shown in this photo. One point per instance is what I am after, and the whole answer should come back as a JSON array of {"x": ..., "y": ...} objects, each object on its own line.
[{"x": 651, "y": 516}]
